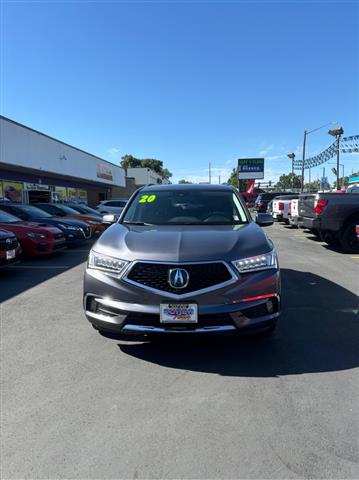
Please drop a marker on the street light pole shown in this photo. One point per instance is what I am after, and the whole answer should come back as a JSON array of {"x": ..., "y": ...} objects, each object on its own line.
[
  {"x": 292, "y": 157},
  {"x": 337, "y": 133},
  {"x": 303, "y": 161}
]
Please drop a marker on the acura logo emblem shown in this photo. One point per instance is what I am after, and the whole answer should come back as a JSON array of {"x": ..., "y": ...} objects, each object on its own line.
[
  {"x": 8, "y": 240},
  {"x": 178, "y": 278}
]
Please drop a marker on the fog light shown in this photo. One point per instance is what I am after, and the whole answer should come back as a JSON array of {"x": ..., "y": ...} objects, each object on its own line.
[{"x": 270, "y": 306}]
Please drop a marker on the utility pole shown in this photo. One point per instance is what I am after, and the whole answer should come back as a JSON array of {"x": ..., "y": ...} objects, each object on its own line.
[
  {"x": 219, "y": 179},
  {"x": 209, "y": 173}
]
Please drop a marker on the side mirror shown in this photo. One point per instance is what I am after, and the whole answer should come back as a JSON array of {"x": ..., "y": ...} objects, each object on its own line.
[
  {"x": 109, "y": 219},
  {"x": 264, "y": 219}
]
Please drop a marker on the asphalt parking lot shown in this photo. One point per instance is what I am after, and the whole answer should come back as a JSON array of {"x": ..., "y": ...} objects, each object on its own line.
[{"x": 78, "y": 405}]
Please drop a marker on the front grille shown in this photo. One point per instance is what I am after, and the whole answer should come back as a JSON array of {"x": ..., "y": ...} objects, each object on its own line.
[
  {"x": 201, "y": 276},
  {"x": 58, "y": 246},
  {"x": 87, "y": 232},
  {"x": 5, "y": 244},
  {"x": 151, "y": 320},
  {"x": 42, "y": 247}
]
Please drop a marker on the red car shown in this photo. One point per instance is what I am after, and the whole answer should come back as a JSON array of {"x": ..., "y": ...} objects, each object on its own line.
[
  {"x": 10, "y": 249},
  {"x": 357, "y": 230},
  {"x": 35, "y": 238}
]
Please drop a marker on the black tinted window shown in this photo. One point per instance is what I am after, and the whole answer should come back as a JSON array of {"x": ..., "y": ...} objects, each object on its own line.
[{"x": 186, "y": 207}]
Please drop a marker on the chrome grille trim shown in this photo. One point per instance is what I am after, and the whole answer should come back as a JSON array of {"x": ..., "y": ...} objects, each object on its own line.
[{"x": 163, "y": 293}]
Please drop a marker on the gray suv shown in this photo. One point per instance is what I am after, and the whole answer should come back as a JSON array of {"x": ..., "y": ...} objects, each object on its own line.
[{"x": 183, "y": 259}]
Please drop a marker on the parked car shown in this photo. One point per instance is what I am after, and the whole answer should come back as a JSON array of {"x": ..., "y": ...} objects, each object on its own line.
[
  {"x": 281, "y": 205},
  {"x": 60, "y": 210},
  {"x": 293, "y": 213},
  {"x": 183, "y": 259},
  {"x": 333, "y": 217},
  {"x": 10, "y": 249},
  {"x": 35, "y": 238},
  {"x": 84, "y": 209},
  {"x": 357, "y": 230},
  {"x": 75, "y": 231},
  {"x": 263, "y": 199},
  {"x": 111, "y": 206}
]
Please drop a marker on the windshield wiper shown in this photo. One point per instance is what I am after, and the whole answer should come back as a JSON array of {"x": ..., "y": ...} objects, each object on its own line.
[{"x": 129, "y": 222}]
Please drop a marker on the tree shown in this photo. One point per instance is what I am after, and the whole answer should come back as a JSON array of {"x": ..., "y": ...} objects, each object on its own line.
[
  {"x": 314, "y": 185},
  {"x": 166, "y": 173},
  {"x": 345, "y": 180},
  {"x": 289, "y": 181},
  {"x": 129, "y": 161},
  {"x": 183, "y": 181}
]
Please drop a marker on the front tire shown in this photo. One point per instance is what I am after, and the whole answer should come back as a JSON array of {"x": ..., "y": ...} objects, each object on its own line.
[{"x": 348, "y": 239}]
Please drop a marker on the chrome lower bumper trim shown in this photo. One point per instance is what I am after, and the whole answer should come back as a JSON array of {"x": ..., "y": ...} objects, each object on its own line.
[{"x": 148, "y": 329}]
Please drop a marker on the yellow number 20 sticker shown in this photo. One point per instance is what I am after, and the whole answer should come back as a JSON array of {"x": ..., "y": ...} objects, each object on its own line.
[{"x": 147, "y": 198}]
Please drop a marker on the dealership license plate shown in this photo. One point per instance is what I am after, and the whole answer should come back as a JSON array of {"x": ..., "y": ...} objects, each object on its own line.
[
  {"x": 10, "y": 254},
  {"x": 178, "y": 313}
]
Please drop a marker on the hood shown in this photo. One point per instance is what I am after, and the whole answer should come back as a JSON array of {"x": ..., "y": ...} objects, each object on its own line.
[
  {"x": 6, "y": 234},
  {"x": 65, "y": 220},
  {"x": 93, "y": 218},
  {"x": 183, "y": 243},
  {"x": 27, "y": 227}
]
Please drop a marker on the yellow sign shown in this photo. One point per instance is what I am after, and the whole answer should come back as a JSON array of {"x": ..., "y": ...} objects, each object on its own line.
[
  {"x": 60, "y": 193},
  {"x": 13, "y": 191}
]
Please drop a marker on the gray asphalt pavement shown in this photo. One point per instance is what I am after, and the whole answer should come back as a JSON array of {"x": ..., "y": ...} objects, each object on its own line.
[{"x": 77, "y": 405}]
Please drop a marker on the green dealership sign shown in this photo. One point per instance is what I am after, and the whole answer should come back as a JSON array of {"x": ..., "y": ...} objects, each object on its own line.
[{"x": 250, "y": 168}]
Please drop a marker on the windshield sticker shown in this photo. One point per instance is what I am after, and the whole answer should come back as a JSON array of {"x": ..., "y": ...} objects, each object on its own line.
[{"x": 147, "y": 199}]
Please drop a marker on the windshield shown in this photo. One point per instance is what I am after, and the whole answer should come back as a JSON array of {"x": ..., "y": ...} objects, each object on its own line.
[
  {"x": 33, "y": 211},
  {"x": 184, "y": 207},
  {"x": 58, "y": 209},
  {"x": 8, "y": 218},
  {"x": 67, "y": 209},
  {"x": 85, "y": 209}
]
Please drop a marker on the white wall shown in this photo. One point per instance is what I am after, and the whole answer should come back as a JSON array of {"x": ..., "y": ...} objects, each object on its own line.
[
  {"x": 143, "y": 176},
  {"x": 23, "y": 147}
]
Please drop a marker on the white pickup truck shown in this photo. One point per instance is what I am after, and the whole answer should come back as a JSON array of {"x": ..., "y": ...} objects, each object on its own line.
[
  {"x": 294, "y": 212},
  {"x": 281, "y": 207}
]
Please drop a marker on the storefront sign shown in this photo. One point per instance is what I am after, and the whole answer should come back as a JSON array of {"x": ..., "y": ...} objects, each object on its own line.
[{"x": 104, "y": 171}]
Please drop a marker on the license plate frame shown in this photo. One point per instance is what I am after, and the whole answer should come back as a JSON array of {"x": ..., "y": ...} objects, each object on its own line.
[
  {"x": 11, "y": 254},
  {"x": 179, "y": 313}
]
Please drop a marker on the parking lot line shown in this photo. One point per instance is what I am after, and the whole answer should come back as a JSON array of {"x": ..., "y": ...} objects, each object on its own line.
[{"x": 356, "y": 257}]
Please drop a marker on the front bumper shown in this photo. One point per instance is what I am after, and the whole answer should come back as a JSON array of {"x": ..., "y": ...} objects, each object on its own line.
[{"x": 117, "y": 307}]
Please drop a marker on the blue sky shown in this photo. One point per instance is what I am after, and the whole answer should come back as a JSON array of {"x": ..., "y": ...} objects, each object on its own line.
[{"x": 185, "y": 82}]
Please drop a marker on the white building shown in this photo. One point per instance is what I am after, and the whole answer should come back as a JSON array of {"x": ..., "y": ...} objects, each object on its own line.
[
  {"x": 34, "y": 165},
  {"x": 144, "y": 176}
]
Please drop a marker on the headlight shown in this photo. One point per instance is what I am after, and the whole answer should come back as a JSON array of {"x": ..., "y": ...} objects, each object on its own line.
[
  {"x": 36, "y": 235},
  {"x": 105, "y": 263},
  {"x": 259, "y": 262},
  {"x": 67, "y": 227}
]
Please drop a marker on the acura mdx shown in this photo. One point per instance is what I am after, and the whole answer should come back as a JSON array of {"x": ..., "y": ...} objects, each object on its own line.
[{"x": 183, "y": 259}]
